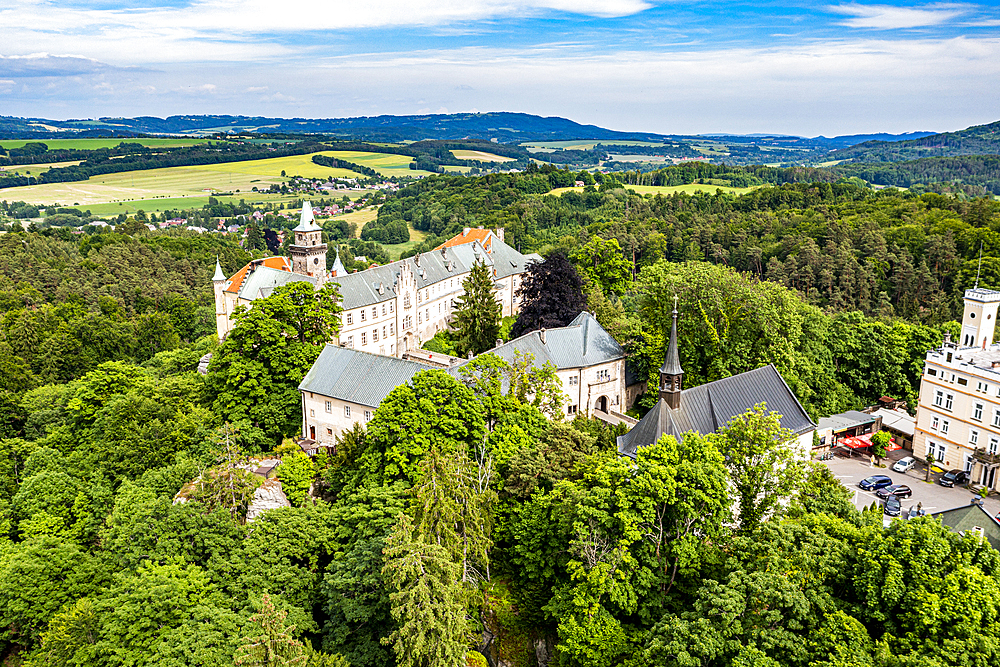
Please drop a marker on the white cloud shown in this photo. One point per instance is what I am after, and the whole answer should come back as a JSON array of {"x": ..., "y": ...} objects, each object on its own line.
[{"x": 890, "y": 17}]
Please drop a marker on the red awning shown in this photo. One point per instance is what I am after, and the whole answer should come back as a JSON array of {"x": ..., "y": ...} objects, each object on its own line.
[{"x": 853, "y": 443}]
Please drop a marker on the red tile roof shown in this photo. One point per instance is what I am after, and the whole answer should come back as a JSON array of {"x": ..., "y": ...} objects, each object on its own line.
[
  {"x": 279, "y": 263},
  {"x": 481, "y": 235}
]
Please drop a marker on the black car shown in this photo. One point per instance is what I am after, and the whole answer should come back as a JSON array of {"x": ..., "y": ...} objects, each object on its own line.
[
  {"x": 898, "y": 490},
  {"x": 953, "y": 477},
  {"x": 892, "y": 506},
  {"x": 875, "y": 482}
]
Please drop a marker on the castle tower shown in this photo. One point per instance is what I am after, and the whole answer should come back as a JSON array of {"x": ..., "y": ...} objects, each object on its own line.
[
  {"x": 308, "y": 250},
  {"x": 671, "y": 373},
  {"x": 338, "y": 269},
  {"x": 221, "y": 315},
  {"x": 979, "y": 320}
]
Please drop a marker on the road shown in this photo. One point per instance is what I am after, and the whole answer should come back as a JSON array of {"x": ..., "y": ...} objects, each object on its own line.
[{"x": 933, "y": 497}]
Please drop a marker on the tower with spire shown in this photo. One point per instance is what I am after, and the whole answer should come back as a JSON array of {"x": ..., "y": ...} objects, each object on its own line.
[
  {"x": 221, "y": 315},
  {"x": 308, "y": 251},
  {"x": 671, "y": 373},
  {"x": 338, "y": 269}
]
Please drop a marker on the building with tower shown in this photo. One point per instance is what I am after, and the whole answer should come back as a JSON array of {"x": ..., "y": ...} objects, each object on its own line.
[
  {"x": 958, "y": 409},
  {"x": 308, "y": 251},
  {"x": 709, "y": 407}
]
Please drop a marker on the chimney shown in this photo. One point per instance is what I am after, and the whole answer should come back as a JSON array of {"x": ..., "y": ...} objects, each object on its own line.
[
  {"x": 541, "y": 334},
  {"x": 499, "y": 343},
  {"x": 465, "y": 232},
  {"x": 500, "y": 233}
]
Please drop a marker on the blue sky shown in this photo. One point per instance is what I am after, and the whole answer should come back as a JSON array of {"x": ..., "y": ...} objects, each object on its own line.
[{"x": 785, "y": 66}]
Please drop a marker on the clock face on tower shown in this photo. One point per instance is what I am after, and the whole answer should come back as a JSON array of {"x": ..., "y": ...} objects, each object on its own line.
[{"x": 315, "y": 260}]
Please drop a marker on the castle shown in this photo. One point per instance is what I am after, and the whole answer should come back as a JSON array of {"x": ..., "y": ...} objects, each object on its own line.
[{"x": 390, "y": 309}]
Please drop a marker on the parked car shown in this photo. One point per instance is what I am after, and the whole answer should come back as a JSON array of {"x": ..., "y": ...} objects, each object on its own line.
[
  {"x": 898, "y": 490},
  {"x": 916, "y": 511},
  {"x": 892, "y": 506},
  {"x": 875, "y": 482},
  {"x": 953, "y": 477},
  {"x": 904, "y": 464}
]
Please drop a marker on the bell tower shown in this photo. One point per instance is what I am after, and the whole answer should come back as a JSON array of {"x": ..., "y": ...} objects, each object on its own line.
[
  {"x": 979, "y": 318},
  {"x": 671, "y": 373},
  {"x": 308, "y": 251}
]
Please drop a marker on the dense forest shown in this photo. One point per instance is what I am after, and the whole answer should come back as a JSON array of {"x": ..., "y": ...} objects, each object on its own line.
[{"x": 463, "y": 526}]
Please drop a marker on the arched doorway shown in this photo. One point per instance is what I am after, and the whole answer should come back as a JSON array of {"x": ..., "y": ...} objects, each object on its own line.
[{"x": 602, "y": 404}]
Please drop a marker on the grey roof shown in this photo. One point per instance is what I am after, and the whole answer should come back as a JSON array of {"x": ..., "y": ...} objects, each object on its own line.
[
  {"x": 358, "y": 377},
  {"x": 307, "y": 222},
  {"x": 582, "y": 343},
  {"x": 964, "y": 518},
  {"x": 672, "y": 362},
  {"x": 361, "y": 289},
  {"x": 896, "y": 420},
  {"x": 264, "y": 279},
  {"x": 709, "y": 407},
  {"x": 845, "y": 420}
]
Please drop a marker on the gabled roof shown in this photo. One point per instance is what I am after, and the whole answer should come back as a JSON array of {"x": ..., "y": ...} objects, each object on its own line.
[
  {"x": 276, "y": 263},
  {"x": 582, "y": 343},
  {"x": 484, "y": 236},
  {"x": 358, "y": 377},
  {"x": 709, "y": 407}
]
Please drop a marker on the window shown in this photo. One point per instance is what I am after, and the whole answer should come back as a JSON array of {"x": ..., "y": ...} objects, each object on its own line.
[
  {"x": 603, "y": 375},
  {"x": 944, "y": 426},
  {"x": 936, "y": 450},
  {"x": 374, "y": 312},
  {"x": 329, "y": 431},
  {"x": 931, "y": 371},
  {"x": 938, "y": 397},
  {"x": 427, "y": 314},
  {"x": 364, "y": 339},
  {"x": 994, "y": 445},
  {"x": 571, "y": 409},
  {"x": 973, "y": 437},
  {"x": 977, "y": 412},
  {"x": 392, "y": 331},
  {"x": 347, "y": 411},
  {"x": 420, "y": 317},
  {"x": 312, "y": 413},
  {"x": 383, "y": 309},
  {"x": 329, "y": 406},
  {"x": 574, "y": 381},
  {"x": 391, "y": 305},
  {"x": 949, "y": 400},
  {"x": 935, "y": 422},
  {"x": 374, "y": 335},
  {"x": 350, "y": 318},
  {"x": 406, "y": 301},
  {"x": 996, "y": 417},
  {"x": 963, "y": 381},
  {"x": 362, "y": 314},
  {"x": 368, "y": 415},
  {"x": 982, "y": 387}
]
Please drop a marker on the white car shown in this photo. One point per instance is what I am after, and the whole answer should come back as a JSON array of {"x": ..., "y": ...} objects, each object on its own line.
[{"x": 904, "y": 464}]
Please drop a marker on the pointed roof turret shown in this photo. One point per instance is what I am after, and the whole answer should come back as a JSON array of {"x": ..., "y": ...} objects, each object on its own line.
[
  {"x": 218, "y": 271},
  {"x": 307, "y": 220},
  {"x": 338, "y": 266},
  {"x": 672, "y": 364}
]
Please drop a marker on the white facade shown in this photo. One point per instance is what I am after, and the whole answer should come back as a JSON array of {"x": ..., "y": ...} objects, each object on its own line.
[{"x": 958, "y": 413}]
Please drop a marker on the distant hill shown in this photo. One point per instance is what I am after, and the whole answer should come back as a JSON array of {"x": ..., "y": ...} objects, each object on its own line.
[
  {"x": 502, "y": 127},
  {"x": 977, "y": 140}
]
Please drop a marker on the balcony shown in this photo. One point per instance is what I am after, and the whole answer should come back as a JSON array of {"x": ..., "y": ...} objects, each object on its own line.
[{"x": 985, "y": 457}]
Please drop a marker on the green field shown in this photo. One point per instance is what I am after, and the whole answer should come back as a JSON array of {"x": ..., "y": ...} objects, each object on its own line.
[
  {"x": 387, "y": 164},
  {"x": 91, "y": 144},
  {"x": 397, "y": 249},
  {"x": 481, "y": 156},
  {"x": 27, "y": 169},
  {"x": 668, "y": 189}
]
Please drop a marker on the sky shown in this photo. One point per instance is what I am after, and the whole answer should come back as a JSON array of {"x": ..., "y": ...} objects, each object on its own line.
[{"x": 676, "y": 67}]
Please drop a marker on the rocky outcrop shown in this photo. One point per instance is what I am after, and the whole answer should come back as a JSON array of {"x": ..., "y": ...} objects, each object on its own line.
[{"x": 268, "y": 496}]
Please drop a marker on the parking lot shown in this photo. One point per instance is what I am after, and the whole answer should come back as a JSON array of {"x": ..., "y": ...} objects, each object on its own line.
[{"x": 933, "y": 497}]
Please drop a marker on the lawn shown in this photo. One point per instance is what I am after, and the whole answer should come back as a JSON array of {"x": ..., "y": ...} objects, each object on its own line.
[
  {"x": 668, "y": 189},
  {"x": 91, "y": 144},
  {"x": 396, "y": 250},
  {"x": 481, "y": 156}
]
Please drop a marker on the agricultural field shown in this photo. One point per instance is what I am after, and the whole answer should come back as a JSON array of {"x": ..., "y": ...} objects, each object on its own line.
[
  {"x": 583, "y": 144},
  {"x": 482, "y": 156},
  {"x": 93, "y": 144},
  {"x": 669, "y": 189},
  {"x": 28, "y": 169},
  {"x": 387, "y": 164}
]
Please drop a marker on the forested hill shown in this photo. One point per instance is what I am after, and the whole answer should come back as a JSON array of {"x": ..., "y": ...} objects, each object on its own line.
[{"x": 977, "y": 140}]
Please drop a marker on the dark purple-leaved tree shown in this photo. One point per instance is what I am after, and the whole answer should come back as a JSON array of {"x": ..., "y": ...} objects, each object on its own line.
[{"x": 551, "y": 295}]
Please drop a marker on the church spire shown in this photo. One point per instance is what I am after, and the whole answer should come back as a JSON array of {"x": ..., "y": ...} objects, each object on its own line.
[
  {"x": 219, "y": 275},
  {"x": 671, "y": 373}
]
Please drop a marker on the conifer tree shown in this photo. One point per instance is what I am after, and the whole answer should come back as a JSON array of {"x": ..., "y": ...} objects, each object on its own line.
[
  {"x": 274, "y": 646},
  {"x": 477, "y": 317},
  {"x": 426, "y": 601}
]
